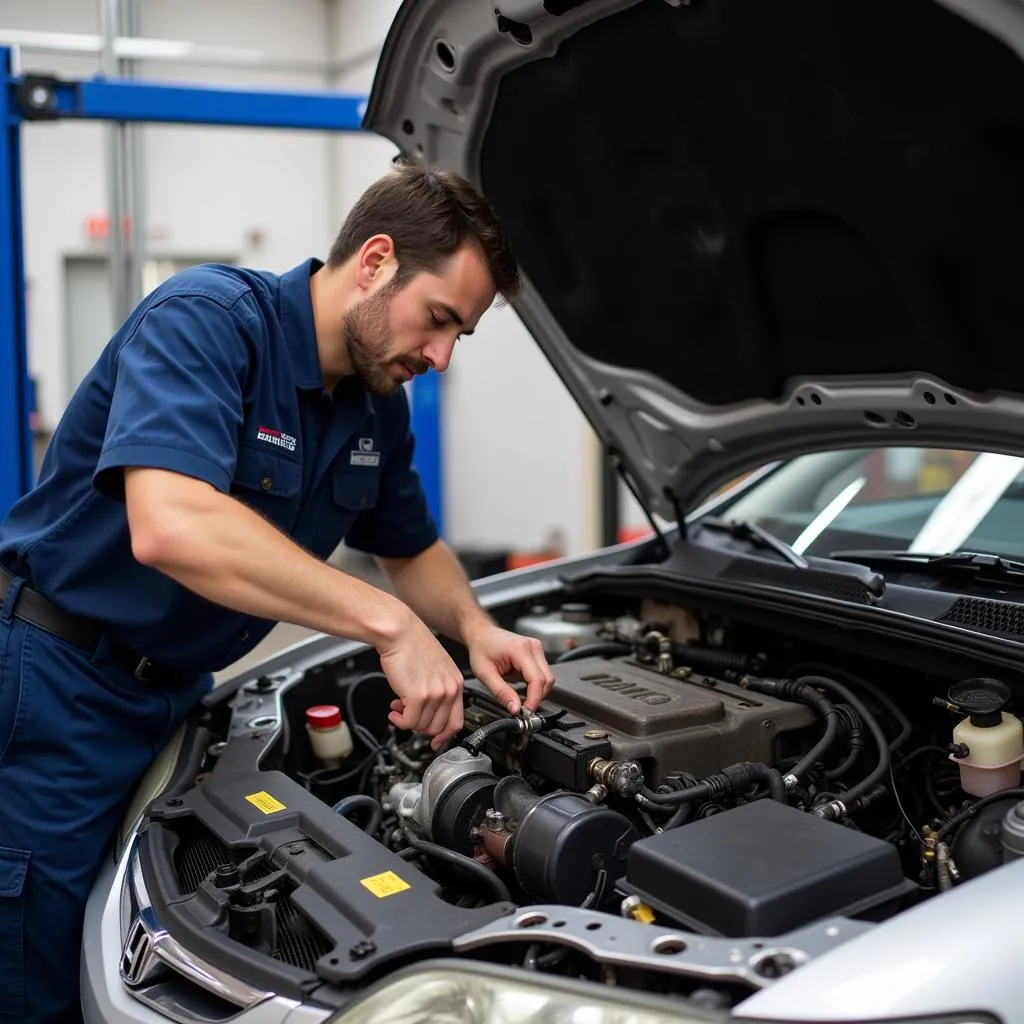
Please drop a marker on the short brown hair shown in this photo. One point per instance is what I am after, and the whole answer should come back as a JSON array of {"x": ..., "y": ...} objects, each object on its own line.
[{"x": 429, "y": 214}]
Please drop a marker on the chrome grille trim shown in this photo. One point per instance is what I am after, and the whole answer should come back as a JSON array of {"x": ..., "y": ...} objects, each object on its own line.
[{"x": 149, "y": 952}]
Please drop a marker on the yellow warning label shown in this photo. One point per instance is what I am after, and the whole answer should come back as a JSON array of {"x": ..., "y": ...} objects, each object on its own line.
[
  {"x": 386, "y": 884},
  {"x": 265, "y": 802}
]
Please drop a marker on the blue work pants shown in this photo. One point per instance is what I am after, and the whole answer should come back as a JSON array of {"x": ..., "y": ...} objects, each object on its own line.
[{"x": 75, "y": 736}]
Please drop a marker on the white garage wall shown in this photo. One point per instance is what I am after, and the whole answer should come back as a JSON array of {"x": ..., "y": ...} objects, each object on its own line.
[
  {"x": 518, "y": 457},
  {"x": 251, "y": 194}
]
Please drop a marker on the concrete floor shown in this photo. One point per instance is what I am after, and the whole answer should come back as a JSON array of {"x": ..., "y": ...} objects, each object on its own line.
[{"x": 283, "y": 635}]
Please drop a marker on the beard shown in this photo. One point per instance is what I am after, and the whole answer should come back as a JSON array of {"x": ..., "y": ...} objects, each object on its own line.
[{"x": 365, "y": 330}]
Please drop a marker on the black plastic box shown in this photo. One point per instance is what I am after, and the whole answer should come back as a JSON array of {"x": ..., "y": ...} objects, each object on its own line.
[{"x": 762, "y": 869}]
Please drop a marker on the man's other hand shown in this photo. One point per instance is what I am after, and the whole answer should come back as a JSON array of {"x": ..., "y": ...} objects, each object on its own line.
[{"x": 497, "y": 655}]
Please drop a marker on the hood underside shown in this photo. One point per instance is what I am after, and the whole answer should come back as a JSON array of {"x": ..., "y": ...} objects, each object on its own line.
[{"x": 750, "y": 228}]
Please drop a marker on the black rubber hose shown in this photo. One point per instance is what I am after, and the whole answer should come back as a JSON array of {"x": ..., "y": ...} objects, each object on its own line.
[
  {"x": 534, "y": 959},
  {"x": 808, "y": 695},
  {"x": 711, "y": 658},
  {"x": 513, "y": 797},
  {"x": 978, "y": 805},
  {"x": 364, "y": 803},
  {"x": 883, "y": 698},
  {"x": 855, "y": 740},
  {"x": 776, "y": 787},
  {"x": 870, "y": 721},
  {"x": 702, "y": 791},
  {"x": 602, "y": 649},
  {"x": 828, "y": 710},
  {"x": 930, "y": 748},
  {"x": 680, "y": 817},
  {"x": 371, "y": 742},
  {"x": 467, "y": 864},
  {"x": 845, "y": 765},
  {"x": 474, "y": 742},
  {"x": 737, "y": 778}
]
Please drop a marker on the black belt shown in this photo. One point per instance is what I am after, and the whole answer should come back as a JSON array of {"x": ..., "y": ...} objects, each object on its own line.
[{"x": 31, "y": 607}]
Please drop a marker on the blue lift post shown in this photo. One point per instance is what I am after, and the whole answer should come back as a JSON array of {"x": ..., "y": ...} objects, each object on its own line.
[
  {"x": 43, "y": 98},
  {"x": 15, "y": 427}
]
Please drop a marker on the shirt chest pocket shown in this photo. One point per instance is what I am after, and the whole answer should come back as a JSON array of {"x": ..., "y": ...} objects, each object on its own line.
[
  {"x": 354, "y": 489},
  {"x": 351, "y": 490},
  {"x": 269, "y": 482}
]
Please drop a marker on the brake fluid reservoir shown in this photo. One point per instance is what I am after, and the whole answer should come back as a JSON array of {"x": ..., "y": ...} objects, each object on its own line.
[
  {"x": 329, "y": 735},
  {"x": 994, "y": 738}
]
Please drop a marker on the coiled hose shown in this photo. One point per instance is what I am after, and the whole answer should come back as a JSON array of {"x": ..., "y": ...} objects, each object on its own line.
[{"x": 362, "y": 802}]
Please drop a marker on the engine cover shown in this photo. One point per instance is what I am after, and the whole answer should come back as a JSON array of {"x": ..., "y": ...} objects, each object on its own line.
[{"x": 697, "y": 724}]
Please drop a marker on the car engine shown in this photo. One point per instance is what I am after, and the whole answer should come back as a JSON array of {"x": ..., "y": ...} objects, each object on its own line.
[{"x": 687, "y": 779}]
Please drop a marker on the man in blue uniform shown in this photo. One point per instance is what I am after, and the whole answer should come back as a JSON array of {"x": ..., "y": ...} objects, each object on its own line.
[{"x": 235, "y": 429}]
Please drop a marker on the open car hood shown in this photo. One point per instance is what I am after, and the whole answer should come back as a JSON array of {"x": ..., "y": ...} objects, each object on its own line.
[{"x": 749, "y": 228}]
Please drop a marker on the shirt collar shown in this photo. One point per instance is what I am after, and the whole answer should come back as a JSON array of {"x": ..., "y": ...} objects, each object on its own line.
[
  {"x": 300, "y": 330},
  {"x": 297, "y": 318}
]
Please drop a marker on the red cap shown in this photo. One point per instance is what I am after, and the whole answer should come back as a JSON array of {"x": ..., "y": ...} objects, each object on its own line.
[{"x": 323, "y": 716}]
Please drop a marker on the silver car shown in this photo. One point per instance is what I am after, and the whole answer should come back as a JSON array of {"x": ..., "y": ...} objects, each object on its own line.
[{"x": 772, "y": 249}]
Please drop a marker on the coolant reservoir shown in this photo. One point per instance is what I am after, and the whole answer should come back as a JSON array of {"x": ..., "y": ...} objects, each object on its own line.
[{"x": 993, "y": 737}]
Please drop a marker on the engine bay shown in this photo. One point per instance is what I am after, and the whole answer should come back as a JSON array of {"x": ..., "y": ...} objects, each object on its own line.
[{"x": 700, "y": 807}]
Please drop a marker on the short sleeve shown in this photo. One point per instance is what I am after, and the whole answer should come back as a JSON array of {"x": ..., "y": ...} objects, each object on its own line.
[
  {"x": 400, "y": 524},
  {"x": 178, "y": 393}
]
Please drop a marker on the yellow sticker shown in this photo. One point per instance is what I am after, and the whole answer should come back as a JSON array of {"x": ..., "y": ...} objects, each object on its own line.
[
  {"x": 265, "y": 802},
  {"x": 386, "y": 884}
]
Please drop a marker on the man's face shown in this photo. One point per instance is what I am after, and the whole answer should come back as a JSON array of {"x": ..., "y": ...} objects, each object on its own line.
[{"x": 397, "y": 332}]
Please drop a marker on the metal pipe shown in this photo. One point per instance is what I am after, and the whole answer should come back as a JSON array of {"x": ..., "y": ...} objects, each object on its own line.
[
  {"x": 116, "y": 170},
  {"x": 331, "y": 162},
  {"x": 174, "y": 51},
  {"x": 135, "y": 189}
]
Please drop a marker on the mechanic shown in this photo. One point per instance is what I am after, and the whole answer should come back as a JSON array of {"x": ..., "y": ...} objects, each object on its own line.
[{"x": 237, "y": 427}]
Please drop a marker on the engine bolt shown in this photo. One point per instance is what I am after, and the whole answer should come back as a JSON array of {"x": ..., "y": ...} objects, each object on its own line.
[
  {"x": 361, "y": 950},
  {"x": 495, "y": 820},
  {"x": 595, "y": 734}
]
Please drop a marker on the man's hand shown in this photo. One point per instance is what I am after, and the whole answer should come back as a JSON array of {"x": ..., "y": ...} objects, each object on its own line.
[
  {"x": 495, "y": 654},
  {"x": 428, "y": 684}
]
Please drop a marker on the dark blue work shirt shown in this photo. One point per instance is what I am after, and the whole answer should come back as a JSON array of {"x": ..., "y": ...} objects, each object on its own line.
[{"x": 215, "y": 375}]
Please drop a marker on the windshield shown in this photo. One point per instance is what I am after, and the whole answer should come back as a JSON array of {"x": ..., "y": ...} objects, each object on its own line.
[{"x": 925, "y": 500}]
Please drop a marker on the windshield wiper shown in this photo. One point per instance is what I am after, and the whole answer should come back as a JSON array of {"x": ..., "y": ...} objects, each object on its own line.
[
  {"x": 973, "y": 562},
  {"x": 744, "y": 529}
]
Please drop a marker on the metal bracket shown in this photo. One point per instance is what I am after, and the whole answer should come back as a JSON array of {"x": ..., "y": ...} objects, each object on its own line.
[
  {"x": 35, "y": 97},
  {"x": 621, "y": 942}
]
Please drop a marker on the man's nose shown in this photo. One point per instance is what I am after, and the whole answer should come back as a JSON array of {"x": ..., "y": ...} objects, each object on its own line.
[{"x": 439, "y": 353}]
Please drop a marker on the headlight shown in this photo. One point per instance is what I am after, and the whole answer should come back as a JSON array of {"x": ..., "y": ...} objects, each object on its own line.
[{"x": 457, "y": 994}]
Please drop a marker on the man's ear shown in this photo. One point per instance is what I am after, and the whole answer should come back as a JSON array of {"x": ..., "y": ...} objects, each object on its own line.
[{"x": 376, "y": 264}]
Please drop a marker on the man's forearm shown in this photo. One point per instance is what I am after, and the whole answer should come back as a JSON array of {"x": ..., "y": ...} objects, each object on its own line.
[
  {"x": 435, "y": 586},
  {"x": 227, "y": 553}
]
